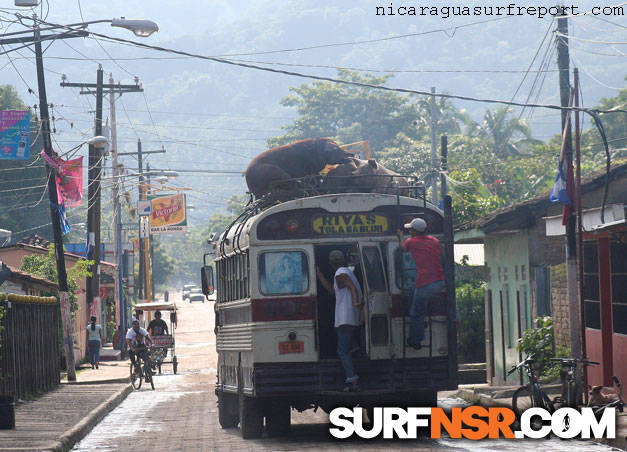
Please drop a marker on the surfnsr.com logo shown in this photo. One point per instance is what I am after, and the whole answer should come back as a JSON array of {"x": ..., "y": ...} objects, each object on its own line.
[{"x": 474, "y": 422}]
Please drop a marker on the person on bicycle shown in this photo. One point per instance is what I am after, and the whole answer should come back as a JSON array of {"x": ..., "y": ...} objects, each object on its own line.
[{"x": 137, "y": 340}]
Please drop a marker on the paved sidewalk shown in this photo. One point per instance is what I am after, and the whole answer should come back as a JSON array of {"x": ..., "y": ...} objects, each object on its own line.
[
  {"x": 60, "y": 418},
  {"x": 488, "y": 396}
]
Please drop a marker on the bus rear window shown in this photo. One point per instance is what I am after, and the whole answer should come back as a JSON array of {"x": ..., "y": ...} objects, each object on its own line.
[
  {"x": 405, "y": 269},
  {"x": 283, "y": 273}
]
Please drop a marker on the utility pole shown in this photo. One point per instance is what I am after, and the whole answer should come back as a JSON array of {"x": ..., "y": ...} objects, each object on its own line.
[
  {"x": 571, "y": 242},
  {"x": 96, "y": 155},
  {"x": 141, "y": 282},
  {"x": 55, "y": 216},
  {"x": 117, "y": 213},
  {"x": 151, "y": 251},
  {"x": 434, "y": 151}
]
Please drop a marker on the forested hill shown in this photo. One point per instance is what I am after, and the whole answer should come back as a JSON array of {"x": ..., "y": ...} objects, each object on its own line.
[{"x": 218, "y": 116}]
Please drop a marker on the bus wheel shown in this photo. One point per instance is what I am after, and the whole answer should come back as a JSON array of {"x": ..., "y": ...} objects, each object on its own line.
[
  {"x": 277, "y": 418},
  {"x": 250, "y": 417},
  {"x": 228, "y": 413}
]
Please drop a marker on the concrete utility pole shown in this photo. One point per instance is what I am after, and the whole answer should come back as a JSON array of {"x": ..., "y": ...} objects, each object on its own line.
[
  {"x": 150, "y": 261},
  {"x": 571, "y": 243},
  {"x": 142, "y": 278},
  {"x": 434, "y": 150}
]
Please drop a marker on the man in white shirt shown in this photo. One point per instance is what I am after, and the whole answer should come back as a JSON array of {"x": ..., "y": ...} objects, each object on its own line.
[
  {"x": 137, "y": 339},
  {"x": 348, "y": 312}
]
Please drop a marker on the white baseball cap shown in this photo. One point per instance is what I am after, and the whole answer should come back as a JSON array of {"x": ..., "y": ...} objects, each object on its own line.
[{"x": 418, "y": 224}]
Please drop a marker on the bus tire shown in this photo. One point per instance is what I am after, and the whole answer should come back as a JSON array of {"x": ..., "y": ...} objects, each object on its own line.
[
  {"x": 228, "y": 413},
  {"x": 278, "y": 417},
  {"x": 250, "y": 417}
]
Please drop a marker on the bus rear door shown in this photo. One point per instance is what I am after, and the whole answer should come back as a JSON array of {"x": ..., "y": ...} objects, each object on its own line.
[{"x": 377, "y": 302}]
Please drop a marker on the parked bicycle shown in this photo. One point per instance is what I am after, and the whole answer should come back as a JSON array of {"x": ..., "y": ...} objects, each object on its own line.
[
  {"x": 142, "y": 370},
  {"x": 530, "y": 395},
  {"x": 572, "y": 392}
]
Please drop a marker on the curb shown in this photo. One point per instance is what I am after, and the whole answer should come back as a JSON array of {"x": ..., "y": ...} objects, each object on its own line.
[
  {"x": 97, "y": 382},
  {"x": 70, "y": 437}
]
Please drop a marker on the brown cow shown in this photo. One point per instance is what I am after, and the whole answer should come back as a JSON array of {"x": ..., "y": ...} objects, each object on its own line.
[
  {"x": 299, "y": 159},
  {"x": 364, "y": 176}
]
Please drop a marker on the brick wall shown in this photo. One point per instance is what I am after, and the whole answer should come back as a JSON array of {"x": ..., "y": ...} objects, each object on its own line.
[{"x": 559, "y": 302}]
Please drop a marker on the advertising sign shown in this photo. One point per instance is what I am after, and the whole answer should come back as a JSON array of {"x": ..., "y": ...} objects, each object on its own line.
[
  {"x": 143, "y": 207},
  {"x": 167, "y": 214},
  {"x": 14, "y": 135}
]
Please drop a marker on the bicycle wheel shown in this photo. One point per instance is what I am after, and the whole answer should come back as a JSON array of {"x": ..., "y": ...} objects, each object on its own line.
[
  {"x": 148, "y": 375},
  {"x": 136, "y": 379},
  {"x": 522, "y": 400}
]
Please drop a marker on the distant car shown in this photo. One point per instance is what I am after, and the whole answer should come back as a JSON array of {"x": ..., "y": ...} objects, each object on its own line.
[
  {"x": 187, "y": 289},
  {"x": 196, "y": 297}
]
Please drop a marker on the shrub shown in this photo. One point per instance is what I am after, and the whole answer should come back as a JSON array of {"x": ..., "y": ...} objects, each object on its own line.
[
  {"x": 540, "y": 342},
  {"x": 471, "y": 321}
]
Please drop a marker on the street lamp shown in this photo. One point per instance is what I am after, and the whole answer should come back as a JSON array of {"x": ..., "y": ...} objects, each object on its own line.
[{"x": 141, "y": 27}]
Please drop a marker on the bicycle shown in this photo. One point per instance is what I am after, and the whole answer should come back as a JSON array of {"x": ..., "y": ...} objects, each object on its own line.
[
  {"x": 572, "y": 388},
  {"x": 145, "y": 370},
  {"x": 530, "y": 395}
]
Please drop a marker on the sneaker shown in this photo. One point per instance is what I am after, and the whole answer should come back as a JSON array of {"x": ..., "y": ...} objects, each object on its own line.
[
  {"x": 96, "y": 366},
  {"x": 411, "y": 344}
]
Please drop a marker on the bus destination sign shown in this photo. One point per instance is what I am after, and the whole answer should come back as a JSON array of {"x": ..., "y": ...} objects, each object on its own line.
[{"x": 340, "y": 224}]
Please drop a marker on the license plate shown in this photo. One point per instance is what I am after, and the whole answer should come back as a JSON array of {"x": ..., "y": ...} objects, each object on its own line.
[{"x": 291, "y": 347}]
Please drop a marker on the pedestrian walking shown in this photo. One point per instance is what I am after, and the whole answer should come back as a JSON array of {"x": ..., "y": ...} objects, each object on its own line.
[
  {"x": 94, "y": 342},
  {"x": 166, "y": 296},
  {"x": 426, "y": 251}
]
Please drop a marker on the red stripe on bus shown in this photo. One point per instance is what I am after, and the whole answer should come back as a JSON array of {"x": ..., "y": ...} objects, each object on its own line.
[{"x": 276, "y": 309}]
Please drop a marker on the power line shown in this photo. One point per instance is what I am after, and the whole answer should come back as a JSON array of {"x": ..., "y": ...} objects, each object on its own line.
[{"x": 330, "y": 79}]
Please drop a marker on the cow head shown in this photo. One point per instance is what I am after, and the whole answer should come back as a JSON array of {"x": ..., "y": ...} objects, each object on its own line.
[{"x": 334, "y": 154}]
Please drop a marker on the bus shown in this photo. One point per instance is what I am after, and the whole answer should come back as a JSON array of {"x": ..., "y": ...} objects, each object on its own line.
[{"x": 274, "y": 321}]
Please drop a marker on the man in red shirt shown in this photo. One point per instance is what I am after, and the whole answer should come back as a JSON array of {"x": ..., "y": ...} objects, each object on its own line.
[{"x": 426, "y": 252}]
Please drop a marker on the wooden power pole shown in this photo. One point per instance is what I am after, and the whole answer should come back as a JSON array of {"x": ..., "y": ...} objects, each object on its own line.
[{"x": 571, "y": 241}]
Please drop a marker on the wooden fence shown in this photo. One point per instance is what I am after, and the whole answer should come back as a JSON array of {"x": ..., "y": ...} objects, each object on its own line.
[{"x": 29, "y": 345}]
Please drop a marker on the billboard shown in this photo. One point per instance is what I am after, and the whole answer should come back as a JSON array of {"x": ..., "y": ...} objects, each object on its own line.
[
  {"x": 14, "y": 135},
  {"x": 167, "y": 214}
]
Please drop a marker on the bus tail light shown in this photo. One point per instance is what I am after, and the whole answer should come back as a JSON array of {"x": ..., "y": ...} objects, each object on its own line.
[{"x": 291, "y": 226}]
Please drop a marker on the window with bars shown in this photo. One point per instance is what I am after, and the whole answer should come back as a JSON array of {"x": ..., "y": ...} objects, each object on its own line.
[{"x": 233, "y": 277}]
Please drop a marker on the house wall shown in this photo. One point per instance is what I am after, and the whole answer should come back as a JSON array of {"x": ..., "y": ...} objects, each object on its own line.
[
  {"x": 13, "y": 256},
  {"x": 507, "y": 261}
]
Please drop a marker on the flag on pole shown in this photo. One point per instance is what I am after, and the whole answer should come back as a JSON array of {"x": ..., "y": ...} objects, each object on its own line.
[
  {"x": 69, "y": 178},
  {"x": 563, "y": 189}
]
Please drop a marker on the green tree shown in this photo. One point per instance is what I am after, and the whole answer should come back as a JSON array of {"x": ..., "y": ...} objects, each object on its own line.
[
  {"x": 504, "y": 135},
  {"x": 471, "y": 199},
  {"x": 45, "y": 265},
  {"x": 9, "y": 99},
  {"x": 349, "y": 113},
  {"x": 471, "y": 308},
  {"x": 163, "y": 263}
]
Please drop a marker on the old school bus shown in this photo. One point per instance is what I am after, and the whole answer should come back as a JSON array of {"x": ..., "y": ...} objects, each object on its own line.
[{"x": 274, "y": 321}]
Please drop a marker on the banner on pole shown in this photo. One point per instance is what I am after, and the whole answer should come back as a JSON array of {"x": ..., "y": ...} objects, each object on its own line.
[
  {"x": 167, "y": 214},
  {"x": 14, "y": 135}
]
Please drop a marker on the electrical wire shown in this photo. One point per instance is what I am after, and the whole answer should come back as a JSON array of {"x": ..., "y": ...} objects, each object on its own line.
[{"x": 321, "y": 78}]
